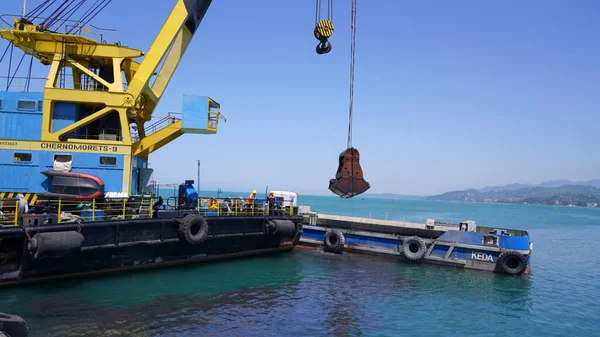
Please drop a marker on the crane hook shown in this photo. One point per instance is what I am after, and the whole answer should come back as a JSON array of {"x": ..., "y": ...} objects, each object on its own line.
[{"x": 323, "y": 31}]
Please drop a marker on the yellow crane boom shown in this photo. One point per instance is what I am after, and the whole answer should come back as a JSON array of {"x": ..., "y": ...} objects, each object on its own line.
[
  {"x": 103, "y": 65},
  {"x": 101, "y": 98}
]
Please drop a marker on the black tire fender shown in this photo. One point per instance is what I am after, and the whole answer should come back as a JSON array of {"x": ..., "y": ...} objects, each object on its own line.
[
  {"x": 512, "y": 262},
  {"x": 334, "y": 241},
  {"x": 281, "y": 227},
  {"x": 413, "y": 248},
  {"x": 13, "y": 325},
  {"x": 194, "y": 228}
]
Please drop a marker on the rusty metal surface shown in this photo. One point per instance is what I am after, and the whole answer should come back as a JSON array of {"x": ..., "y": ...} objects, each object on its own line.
[{"x": 349, "y": 180}]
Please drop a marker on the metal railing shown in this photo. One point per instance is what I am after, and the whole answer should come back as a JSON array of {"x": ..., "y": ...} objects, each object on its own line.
[
  {"x": 9, "y": 212},
  {"x": 160, "y": 124},
  {"x": 230, "y": 206},
  {"x": 101, "y": 210},
  {"x": 137, "y": 208},
  {"x": 109, "y": 134},
  {"x": 22, "y": 83},
  {"x": 72, "y": 27}
]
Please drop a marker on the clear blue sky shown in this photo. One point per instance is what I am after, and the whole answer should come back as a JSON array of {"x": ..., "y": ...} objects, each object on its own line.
[{"x": 448, "y": 94}]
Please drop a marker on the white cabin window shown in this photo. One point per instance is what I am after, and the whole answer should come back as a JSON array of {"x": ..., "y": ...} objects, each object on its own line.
[
  {"x": 22, "y": 157},
  {"x": 26, "y": 105},
  {"x": 63, "y": 162},
  {"x": 108, "y": 161}
]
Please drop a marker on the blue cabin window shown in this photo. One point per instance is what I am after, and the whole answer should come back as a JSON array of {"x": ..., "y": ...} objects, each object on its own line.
[
  {"x": 0, "y": 104},
  {"x": 108, "y": 161},
  {"x": 22, "y": 157},
  {"x": 26, "y": 105},
  {"x": 40, "y": 105}
]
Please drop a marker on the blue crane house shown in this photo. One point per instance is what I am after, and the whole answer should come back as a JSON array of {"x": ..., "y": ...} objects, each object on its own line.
[{"x": 75, "y": 188}]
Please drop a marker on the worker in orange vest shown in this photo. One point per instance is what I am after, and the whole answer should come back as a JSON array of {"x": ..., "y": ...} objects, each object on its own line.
[{"x": 250, "y": 200}]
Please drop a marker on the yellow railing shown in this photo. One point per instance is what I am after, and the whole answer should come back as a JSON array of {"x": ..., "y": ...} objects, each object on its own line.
[
  {"x": 101, "y": 210},
  {"x": 237, "y": 206},
  {"x": 9, "y": 212},
  {"x": 143, "y": 208}
]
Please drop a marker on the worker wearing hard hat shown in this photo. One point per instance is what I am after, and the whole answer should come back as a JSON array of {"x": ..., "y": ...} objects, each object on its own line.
[
  {"x": 271, "y": 201},
  {"x": 251, "y": 198},
  {"x": 250, "y": 201}
]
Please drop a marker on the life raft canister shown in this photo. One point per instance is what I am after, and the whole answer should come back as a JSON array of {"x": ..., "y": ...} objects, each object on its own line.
[{"x": 213, "y": 204}]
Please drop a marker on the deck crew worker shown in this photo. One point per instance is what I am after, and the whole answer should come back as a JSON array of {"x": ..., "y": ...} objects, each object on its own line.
[
  {"x": 158, "y": 204},
  {"x": 250, "y": 199},
  {"x": 271, "y": 200},
  {"x": 23, "y": 206}
]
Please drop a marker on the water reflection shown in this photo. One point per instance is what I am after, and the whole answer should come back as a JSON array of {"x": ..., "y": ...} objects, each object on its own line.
[
  {"x": 89, "y": 306},
  {"x": 307, "y": 293}
]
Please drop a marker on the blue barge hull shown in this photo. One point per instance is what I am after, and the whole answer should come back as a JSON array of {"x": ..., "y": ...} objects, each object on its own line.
[{"x": 464, "y": 246}]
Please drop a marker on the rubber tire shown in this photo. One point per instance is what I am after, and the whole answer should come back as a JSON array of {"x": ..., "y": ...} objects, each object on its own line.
[
  {"x": 283, "y": 227},
  {"x": 194, "y": 228},
  {"x": 334, "y": 241},
  {"x": 409, "y": 243},
  {"x": 508, "y": 259},
  {"x": 13, "y": 325}
]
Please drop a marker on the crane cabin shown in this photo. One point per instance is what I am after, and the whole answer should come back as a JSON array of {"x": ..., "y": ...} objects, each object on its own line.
[{"x": 90, "y": 129}]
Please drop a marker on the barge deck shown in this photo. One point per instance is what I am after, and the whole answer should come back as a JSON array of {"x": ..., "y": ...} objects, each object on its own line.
[
  {"x": 463, "y": 245},
  {"x": 51, "y": 245}
]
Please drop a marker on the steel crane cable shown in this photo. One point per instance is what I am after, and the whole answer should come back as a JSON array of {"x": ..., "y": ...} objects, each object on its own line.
[
  {"x": 72, "y": 11},
  {"x": 57, "y": 13},
  {"x": 318, "y": 12},
  {"x": 92, "y": 12},
  {"x": 89, "y": 11},
  {"x": 329, "y": 11},
  {"x": 85, "y": 15},
  {"x": 98, "y": 11},
  {"x": 5, "y": 51},
  {"x": 28, "y": 80},
  {"x": 352, "y": 52},
  {"x": 39, "y": 10},
  {"x": 323, "y": 28}
]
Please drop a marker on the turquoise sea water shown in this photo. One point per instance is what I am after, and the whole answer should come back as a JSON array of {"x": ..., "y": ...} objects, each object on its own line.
[{"x": 311, "y": 293}]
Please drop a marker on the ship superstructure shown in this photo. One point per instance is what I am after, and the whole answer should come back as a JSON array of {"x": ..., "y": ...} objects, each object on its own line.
[{"x": 89, "y": 132}]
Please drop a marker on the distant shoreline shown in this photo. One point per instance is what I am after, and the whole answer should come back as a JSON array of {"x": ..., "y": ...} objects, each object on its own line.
[
  {"x": 479, "y": 202},
  {"x": 510, "y": 203}
]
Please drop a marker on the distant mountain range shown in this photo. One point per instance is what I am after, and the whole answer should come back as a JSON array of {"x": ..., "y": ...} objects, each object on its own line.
[
  {"x": 557, "y": 192},
  {"x": 552, "y": 183}
]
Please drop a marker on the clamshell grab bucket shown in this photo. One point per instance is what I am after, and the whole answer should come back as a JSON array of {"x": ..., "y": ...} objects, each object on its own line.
[{"x": 349, "y": 179}]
